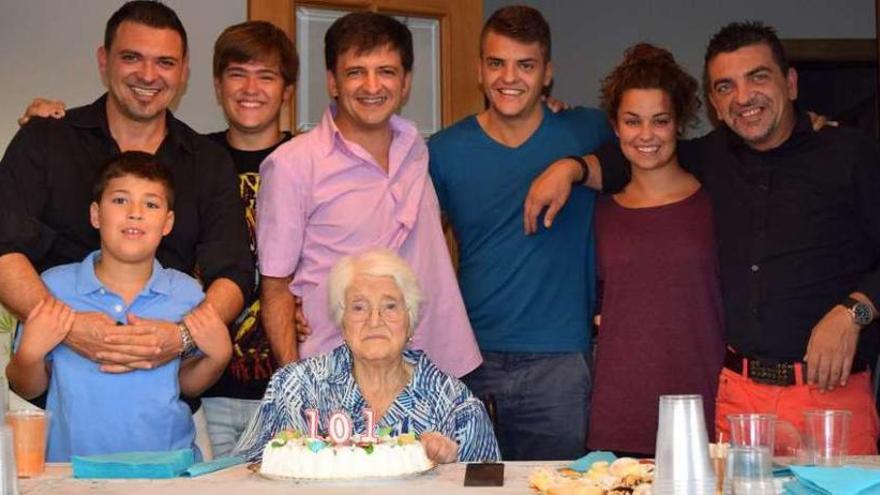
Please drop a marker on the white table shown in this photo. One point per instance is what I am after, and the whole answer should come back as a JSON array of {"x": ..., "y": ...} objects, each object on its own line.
[{"x": 444, "y": 480}]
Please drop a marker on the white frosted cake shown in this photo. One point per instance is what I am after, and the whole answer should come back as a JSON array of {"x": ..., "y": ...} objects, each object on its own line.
[{"x": 292, "y": 455}]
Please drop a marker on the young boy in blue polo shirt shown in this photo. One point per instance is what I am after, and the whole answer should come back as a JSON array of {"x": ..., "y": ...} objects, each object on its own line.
[{"x": 94, "y": 412}]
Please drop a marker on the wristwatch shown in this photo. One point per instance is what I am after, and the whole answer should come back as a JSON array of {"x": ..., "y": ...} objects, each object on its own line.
[
  {"x": 188, "y": 344},
  {"x": 861, "y": 312}
]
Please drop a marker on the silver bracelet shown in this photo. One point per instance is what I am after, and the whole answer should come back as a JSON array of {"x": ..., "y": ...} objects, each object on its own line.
[{"x": 188, "y": 344}]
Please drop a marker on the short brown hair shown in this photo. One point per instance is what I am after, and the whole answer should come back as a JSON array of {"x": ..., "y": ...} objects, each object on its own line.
[
  {"x": 646, "y": 66},
  {"x": 139, "y": 164},
  {"x": 147, "y": 12},
  {"x": 736, "y": 35},
  {"x": 521, "y": 23},
  {"x": 256, "y": 41},
  {"x": 364, "y": 32}
]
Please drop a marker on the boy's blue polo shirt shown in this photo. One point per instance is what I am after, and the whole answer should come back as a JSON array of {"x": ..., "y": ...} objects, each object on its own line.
[{"x": 98, "y": 413}]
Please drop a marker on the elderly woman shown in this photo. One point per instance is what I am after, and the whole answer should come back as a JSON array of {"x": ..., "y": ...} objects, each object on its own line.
[{"x": 375, "y": 298}]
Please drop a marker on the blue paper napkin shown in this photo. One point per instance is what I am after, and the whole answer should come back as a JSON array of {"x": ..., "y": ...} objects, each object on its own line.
[
  {"x": 583, "y": 464},
  {"x": 846, "y": 480},
  {"x": 151, "y": 465},
  {"x": 201, "y": 468}
]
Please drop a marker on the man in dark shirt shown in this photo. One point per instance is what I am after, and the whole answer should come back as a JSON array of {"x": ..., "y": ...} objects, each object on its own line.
[
  {"x": 798, "y": 227},
  {"x": 255, "y": 67},
  {"x": 47, "y": 170}
]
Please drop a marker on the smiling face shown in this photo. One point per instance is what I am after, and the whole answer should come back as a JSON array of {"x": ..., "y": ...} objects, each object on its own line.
[
  {"x": 752, "y": 96},
  {"x": 143, "y": 70},
  {"x": 372, "y": 336},
  {"x": 133, "y": 216},
  {"x": 368, "y": 87},
  {"x": 251, "y": 95},
  {"x": 513, "y": 75},
  {"x": 646, "y": 127}
]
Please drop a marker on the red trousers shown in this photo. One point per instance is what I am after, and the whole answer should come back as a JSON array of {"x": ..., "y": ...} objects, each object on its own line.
[{"x": 738, "y": 394}]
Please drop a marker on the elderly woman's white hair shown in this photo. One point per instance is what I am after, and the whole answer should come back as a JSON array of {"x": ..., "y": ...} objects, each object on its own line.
[{"x": 378, "y": 262}]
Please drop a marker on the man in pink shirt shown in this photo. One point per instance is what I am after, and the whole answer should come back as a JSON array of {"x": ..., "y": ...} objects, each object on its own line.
[{"x": 356, "y": 181}]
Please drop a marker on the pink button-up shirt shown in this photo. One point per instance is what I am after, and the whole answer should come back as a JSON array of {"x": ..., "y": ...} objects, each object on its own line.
[{"x": 323, "y": 197}]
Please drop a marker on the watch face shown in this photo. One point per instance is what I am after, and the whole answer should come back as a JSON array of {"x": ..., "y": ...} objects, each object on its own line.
[{"x": 862, "y": 313}]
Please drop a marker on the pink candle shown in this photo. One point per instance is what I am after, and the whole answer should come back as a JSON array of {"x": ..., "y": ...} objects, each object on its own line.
[
  {"x": 339, "y": 428},
  {"x": 312, "y": 416},
  {"x": 369, "y": 435}
]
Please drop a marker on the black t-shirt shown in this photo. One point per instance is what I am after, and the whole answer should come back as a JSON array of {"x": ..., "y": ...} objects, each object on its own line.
[
  {"x": 46, "y": 179},
  {"x": 252, "y": 363}
]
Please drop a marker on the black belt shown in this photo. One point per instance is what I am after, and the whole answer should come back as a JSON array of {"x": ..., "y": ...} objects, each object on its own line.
[{"x": 771, "y": 372}]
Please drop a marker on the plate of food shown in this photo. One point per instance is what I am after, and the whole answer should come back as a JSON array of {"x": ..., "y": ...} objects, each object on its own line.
[{"x": 623, "y": 476}]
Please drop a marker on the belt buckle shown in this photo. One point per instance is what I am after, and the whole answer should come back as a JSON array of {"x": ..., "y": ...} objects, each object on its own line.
[{"x": 771, "y": 373}]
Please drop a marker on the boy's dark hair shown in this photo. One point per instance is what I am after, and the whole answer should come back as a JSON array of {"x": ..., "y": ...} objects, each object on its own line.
[
  {"x": 646, "y": 66},
  {"x": 521, "y": 23},
  {"x": 364, "y": 32},
  {"x": 259, "y": 41},
  {"x": 736, "y": 35},
  {"x": 147, "y": 12},
  {"x": 139, "y": 164}
]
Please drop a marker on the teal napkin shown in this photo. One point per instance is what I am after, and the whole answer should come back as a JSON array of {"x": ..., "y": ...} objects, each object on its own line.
[
  {"x": 846, "y": 480},
  {"x": 201, "y": 468},
  {"x": 583, "y": 464},
  {"x": 133, "y": 464}
]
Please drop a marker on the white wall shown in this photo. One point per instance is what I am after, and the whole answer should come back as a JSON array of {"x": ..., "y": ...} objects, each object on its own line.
[
  {"x": 47, "y": 48},
  {"x": 589, "y": 37}
]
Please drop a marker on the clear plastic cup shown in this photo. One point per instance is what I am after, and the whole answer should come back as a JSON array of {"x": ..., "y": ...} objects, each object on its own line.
[
  {"x": 749, "y": 471},
  {"x": 30, "y": 427},
  {"x": 764, "y": 430},
  {"x": 826, "y": 435},
  {"x": 8, "y": 472},
  {"x": 682, "y": 458}
]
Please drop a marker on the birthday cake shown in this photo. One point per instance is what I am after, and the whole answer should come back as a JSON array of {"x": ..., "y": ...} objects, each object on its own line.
[
  {"x": 624, "y": 476},
  {"x": 293, "y": 455}
]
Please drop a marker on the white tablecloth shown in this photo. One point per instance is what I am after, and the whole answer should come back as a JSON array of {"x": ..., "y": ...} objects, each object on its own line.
[{"x": 444, "y": 480}]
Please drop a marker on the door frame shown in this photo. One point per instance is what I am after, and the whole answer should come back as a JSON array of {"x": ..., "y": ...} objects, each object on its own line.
[{"x": 460, "y": 25}]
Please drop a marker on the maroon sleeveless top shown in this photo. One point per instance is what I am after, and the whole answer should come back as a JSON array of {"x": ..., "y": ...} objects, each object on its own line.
[{"x": 661, "y": 328}]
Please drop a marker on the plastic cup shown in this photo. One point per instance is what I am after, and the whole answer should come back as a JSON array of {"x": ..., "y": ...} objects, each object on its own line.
[
  {"x": 826, "y": 436},
  {"x": 764, "y": 430},
  {"x": 749, "y": 471},
  {"x": 8, "y": 473},
  {"x": 683, "y": 465},
  {"x": 30, "y": 429}
]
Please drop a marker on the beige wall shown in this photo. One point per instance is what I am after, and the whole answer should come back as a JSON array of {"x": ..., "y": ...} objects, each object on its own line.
[
  {"x": 589, "y": 36},
  {"x": 47, "y": 48}
]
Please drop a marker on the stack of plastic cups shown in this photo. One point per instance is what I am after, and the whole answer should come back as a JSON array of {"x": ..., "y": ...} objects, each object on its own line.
[
  {"x": 8, "y": 471},
  {"x": 682, "y": 460}
]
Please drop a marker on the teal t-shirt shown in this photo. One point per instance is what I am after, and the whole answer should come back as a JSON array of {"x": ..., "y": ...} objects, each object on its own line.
[{"x": 523, "y": 293}]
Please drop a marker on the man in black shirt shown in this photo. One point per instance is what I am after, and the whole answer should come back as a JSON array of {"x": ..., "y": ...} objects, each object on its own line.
[
  {"x": 47, "y": 172},
  {"x": 255, "y": 68},
  {"x": 798, "y": 231}
]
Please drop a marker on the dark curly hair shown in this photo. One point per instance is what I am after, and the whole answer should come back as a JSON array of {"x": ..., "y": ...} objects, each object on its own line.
[{"x": 646, "y": 66}]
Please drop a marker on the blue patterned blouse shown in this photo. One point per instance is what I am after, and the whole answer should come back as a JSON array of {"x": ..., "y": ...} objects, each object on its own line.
[{"x": 431, "y": 401}]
